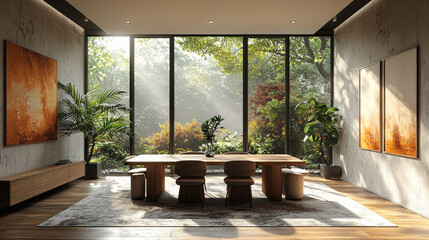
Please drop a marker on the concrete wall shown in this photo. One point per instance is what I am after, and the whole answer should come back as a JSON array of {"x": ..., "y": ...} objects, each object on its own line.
[
  {"x": 35, "y": 25},
  {"x": 379, "y": 30}
]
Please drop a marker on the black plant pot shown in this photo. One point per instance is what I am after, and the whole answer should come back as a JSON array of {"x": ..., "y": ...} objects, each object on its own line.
[
  {"x": 210, "y": 154},
  {"x": 330, "y": 172},
  {"x": 92, "y": 170}
]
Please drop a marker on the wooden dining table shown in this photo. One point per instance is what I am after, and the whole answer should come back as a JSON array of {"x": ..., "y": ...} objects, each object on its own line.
[{"x": 271, "y": 169}]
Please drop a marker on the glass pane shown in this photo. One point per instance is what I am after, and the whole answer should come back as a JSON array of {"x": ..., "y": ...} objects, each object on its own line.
[
  {"x": 108, "y": 68},
  {"x": 208, "y": 82},
  {"x": 267, "y": 95},
  {"x": 151, "y": 76},
  {"x": 310, "y": 76}
]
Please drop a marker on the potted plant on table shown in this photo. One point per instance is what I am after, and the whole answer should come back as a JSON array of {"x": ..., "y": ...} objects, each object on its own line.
[
  {"x": 97, "y": 114},
  {"x": 323, "y": 130},
  {"x": 210, "y": 128}
]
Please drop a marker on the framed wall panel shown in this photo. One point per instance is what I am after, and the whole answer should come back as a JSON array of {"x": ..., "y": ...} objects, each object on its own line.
[
  {"x": 401, "y": 104},
  {"x": 370, "y": 107},
  {"x": 31, "y": 96}
]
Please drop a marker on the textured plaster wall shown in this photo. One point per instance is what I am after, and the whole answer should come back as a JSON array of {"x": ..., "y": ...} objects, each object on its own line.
[
  {"x": 379, "y": 30},
  {"x": 35, "y": 25}
]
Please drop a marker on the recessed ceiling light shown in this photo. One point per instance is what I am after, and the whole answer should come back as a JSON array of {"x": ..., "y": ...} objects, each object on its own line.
[
  {"x": 211, "y": 21},
  {"x": 86, "y": 20},
  {"x": 128, "y": 22},
  {"x": 334, "y": 19},
  {"x": 292, "y": 22}
]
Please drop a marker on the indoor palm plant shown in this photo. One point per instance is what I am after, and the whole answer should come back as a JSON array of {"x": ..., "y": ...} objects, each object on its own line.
[
  {"x": 323, "y": 130},
  {"x": 97, "y": 114},
  {"x": 210, "y": 128}
]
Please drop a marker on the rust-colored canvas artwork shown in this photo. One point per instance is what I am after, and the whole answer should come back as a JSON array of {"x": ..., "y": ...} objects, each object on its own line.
[
  {"x": 31, "y": 96},
  {"x": 370, "y": 107},
  {"x": 400, "y": 120}
]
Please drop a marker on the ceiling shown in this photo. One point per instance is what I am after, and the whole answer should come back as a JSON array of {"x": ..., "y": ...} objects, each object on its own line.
[{"x": 192, "y": 16}]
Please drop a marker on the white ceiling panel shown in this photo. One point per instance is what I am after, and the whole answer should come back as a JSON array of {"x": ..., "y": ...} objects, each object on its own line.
[{"x": 192, "y": 16}]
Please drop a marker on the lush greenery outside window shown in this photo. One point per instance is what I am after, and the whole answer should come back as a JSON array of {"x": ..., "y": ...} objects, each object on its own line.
[
  {"x": 208, "y": 82},
  {"x": 267, "y": 94},
  {"x": 108, "y": 68},
  {"x": 151, "y": 89},
  {"x": 310, "y": 76}
]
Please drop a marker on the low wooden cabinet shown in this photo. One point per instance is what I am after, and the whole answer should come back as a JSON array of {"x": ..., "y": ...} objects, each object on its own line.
[
  {"x": 22, "y": 186},
  {"x": 61, "y": 175},
  {"x": 43, "y": 182},
  {"x": 21, "y": 189}
]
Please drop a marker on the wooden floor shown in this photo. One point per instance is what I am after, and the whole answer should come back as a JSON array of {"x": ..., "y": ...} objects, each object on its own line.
[{"x": 21, "y": 221}]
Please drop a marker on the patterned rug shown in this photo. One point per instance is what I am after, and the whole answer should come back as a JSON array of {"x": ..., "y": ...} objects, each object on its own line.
[{"x": 111, "y": 206}]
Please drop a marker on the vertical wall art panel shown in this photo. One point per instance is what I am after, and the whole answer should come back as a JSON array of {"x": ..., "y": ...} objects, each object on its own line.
[
  {"x": 370, "y": 107},
  {"x": 31, "y": 96},
  {"x": 400, "y": 120}
]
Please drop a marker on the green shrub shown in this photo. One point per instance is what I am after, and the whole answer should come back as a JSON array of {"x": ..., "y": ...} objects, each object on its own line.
[{"x": 110, "y": 154}]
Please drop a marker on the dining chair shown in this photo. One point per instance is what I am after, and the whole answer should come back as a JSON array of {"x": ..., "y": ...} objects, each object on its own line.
[
  {"x": 191, "y": 181},
  {"x": 239, "y": 181},
  {"x": 172, "y": 168},
  {"x": 236, "y": 152}
]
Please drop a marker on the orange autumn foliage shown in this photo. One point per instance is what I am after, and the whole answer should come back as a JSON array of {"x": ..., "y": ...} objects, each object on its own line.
[{"x": 186, "y": 137}]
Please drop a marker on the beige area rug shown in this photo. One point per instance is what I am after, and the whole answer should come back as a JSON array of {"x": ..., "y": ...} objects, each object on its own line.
[{"x": 111, "y": 206}]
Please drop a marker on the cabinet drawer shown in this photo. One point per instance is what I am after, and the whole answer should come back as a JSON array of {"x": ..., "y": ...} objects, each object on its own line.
[
  {"x": 21, "y": 189},
  {"x": 43, "y": 182},
  {"x": 61, "y": 176},
  {"x": 77, "y": 170}
]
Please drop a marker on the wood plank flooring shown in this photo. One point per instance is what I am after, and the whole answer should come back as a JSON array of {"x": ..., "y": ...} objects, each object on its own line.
[{"x": 20, "y": 222}]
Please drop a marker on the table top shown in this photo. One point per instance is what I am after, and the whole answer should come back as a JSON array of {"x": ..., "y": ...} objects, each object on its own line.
[{"x": 218, "y": 159}]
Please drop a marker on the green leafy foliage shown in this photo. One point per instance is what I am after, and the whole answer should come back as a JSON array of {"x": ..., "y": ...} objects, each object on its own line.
[
  {"x": 108, "y": 67},
  {"x": 98, "y": 115},
  {"x": 322, "y": 127},
  {"x": 228, "y": 52},
  {"x": 210, "y": 128},
  {"x": 190, "y": 137},
  {"x": 227, "y": 141},
  {"x": 267, "y": 114},
  {"x": 110, "y": 154}
]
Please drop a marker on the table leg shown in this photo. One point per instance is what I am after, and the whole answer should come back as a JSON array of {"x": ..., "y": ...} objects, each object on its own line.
[
  {"x": 272, "y": 182},
  {"x": 155, "y": 177}
]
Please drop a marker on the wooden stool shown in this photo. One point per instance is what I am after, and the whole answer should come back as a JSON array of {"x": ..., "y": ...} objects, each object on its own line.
[
  {"x": 293, "y": 186},
  {"x": 137, "y": 170},
  {"x": 300, "y": 171},
  {"x": 138, "y": 181}
]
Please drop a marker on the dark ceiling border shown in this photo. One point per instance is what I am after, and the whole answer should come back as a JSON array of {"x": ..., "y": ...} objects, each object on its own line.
[
  {"x": 346, "y": 13},
  {"x": 75, "y": 15}
]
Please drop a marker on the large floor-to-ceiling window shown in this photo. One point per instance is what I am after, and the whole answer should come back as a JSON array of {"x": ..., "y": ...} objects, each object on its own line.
[
  {"x": 108, "y": 68},
  {"x": 267, "y": 95},
  {"x": 310, "y": 77},
  {"x": 189, "y": 79},
  {"x": 208, "y": 82},
  {"x": 151, "y": 95}
]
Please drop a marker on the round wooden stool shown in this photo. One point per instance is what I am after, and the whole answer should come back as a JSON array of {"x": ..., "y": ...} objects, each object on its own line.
[
  {"x": 294, "y": 186},
  {"x": 138, "y": 181},
  {"x": 137, "y": 170}
]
